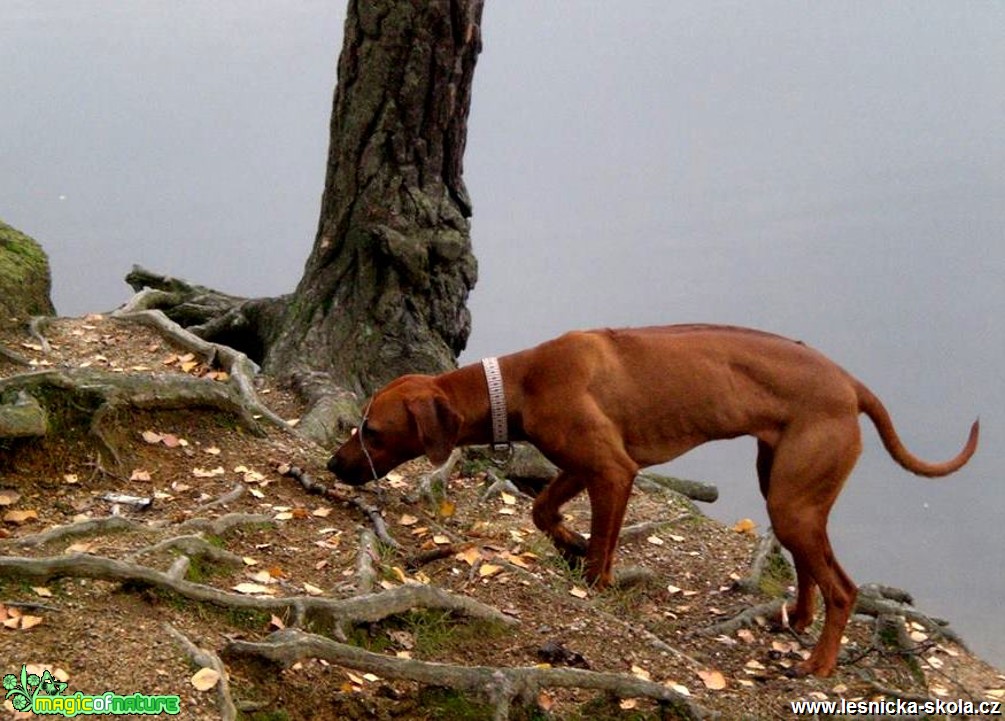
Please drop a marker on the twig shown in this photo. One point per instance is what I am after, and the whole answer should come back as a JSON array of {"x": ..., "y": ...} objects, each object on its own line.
[
  {"x": 229, "y": 497},
  {"x": 309, "y": 484},
  {"x": 501, "y": 685},
  {"x": 208, "y": 659}
]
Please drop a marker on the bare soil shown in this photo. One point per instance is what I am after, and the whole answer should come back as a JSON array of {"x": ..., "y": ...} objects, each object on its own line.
[{"x": 102, "y": 635}]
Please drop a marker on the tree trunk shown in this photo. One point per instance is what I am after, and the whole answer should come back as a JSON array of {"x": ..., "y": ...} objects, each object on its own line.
[{"x": 384, "y": 290}]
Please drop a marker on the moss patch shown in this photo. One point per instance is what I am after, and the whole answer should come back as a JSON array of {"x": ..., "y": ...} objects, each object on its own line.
[{"x": 25, "y": 281}]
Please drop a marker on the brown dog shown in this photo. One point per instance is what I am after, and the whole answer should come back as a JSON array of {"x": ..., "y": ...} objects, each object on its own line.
[{"x": 602, "y": 404}]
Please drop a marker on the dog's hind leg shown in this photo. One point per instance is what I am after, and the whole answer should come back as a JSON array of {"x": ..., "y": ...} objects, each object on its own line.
[
  {"x": 800, "y": 614},
  {"x": 809, "y": 469}
]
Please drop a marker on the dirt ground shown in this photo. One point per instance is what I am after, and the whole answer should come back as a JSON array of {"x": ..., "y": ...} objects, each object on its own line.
[{"x": 99, "y": 635}]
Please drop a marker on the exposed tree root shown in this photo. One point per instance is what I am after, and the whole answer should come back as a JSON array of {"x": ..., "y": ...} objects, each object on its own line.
[
  {"x": 92, "y": 526},
  {"x": 365, "y": 572},
  {"x": 208, "y": 659},
  {"x": 220, "y": 526},
  {"x": 192, "y": 546},
  {"x": 766, "y": 547},
  {"x": 239, "y": 367},
  {"x": 13, "y": 357},
  {"x": 368, "y": 608},
  {"x": 502, "y": 686},
  {"x": 746, "y": 618},
  {"x": 99, "y": 395}
]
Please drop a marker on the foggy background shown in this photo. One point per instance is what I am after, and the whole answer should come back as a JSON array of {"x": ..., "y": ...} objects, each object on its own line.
[{"x": 834, "y": 172}]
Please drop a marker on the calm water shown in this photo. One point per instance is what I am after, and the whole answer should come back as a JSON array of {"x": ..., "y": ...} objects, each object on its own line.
[{"x": 833, "y": 174}]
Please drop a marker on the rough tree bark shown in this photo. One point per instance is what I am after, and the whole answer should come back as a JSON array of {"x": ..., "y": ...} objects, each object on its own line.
[{"x": 384, "y": 290}]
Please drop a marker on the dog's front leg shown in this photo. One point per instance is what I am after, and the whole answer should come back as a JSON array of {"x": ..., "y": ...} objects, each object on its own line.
[{"x": 547, "y": 514}]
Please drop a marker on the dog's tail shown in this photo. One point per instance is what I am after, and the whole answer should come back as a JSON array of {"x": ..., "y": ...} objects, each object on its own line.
[{"x": 869, "y": 404}]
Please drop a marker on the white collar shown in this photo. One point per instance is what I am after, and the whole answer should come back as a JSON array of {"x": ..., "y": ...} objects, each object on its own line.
[{"x": 497, "y": 402}]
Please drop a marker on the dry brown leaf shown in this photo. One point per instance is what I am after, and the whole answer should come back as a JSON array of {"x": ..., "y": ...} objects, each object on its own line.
[
  {"x": 203, "y": 473},
  {"x": 628, "y": 704},
  {"x": 139, "y": 474},
  {"x": 487, "y": 570},
  {"x": 42, "y": 591},
  {"x": 655, "y": 540},
  {"x": 277, "y": 623},
  {"x": 447, "y": 509},
  {"x": 205, "y": 679},
  {"x": 470, "y": 555},
  {"x": 578, "y": 592},
  {"x": 407, "y": 520},
  {"x": 30, "y": 622},
  {"x": 745, "y": 525},
  {"x": 322, "y": 512},
  {"x": 252, "y": 589},
  {"x": 8, "y": 497},
  {"x": 508, "y": 498},
  {"x": 712, "y": 679},
  {"x": 441, "y": 540},
  {"x": 152, "y": 437},
  {"x": 19, "y": 518},
  {"x": 313, "y": 590}
]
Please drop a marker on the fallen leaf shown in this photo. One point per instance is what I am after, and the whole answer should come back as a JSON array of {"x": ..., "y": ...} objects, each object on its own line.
[
  {"x": 313, "y": 590},
  {"x": 249, "y": 561},
  {"x": 641, "y": 673},
  {"x": 203, "y": 473},
  {"x": 441, "y": 540},
  {"x": 205, "y": 679},
  {"x": 322, "y": 512},
  {"x": 447, "y": 509},
  {"x": 628, "y": 704},
  {"x": 71, "y": 478},
  {"x": 678, "y": 687},
  {"x": 251, "y": 589},
  {"x": 284, "y": 516},
  {"x": 508, "y": 498},
  {"x": 152, "y": 437},
  {"x": 745, "y": 635},
  {"x": 81, "y": 547},
  {"x": 655, "y": 540},
  {"x": 407, "y": 520},
  {"x": 918, "y": 636},
  {"x": 277, "y": 623},
  {"x": 487, "y": 570},
  {"x": 42, "y": 591},
  {"x": 712, "y": 679},
  {"x": 8, "y": 497},
  {"x": 745, "y": 525},
  {"x": 19, "y": 518},
  {"x": 30, "y": 622},
  {"x": 212, "y": 450},
  {"x": 578, "y": 592},
  {"x": 470, "y": 555},
  {"x": 140, "y": 475}
]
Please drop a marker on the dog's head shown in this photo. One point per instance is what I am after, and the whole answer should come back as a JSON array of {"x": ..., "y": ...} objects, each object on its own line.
[{"x": 405, "y": 419}]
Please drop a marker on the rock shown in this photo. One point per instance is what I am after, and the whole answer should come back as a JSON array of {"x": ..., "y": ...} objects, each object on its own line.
[
  {"x": 22, "y": 417},
  {"x": 25, "y": 281}
]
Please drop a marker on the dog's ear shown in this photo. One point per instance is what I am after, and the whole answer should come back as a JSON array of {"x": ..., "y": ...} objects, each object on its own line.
[{"x": 439, "y": 426}]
